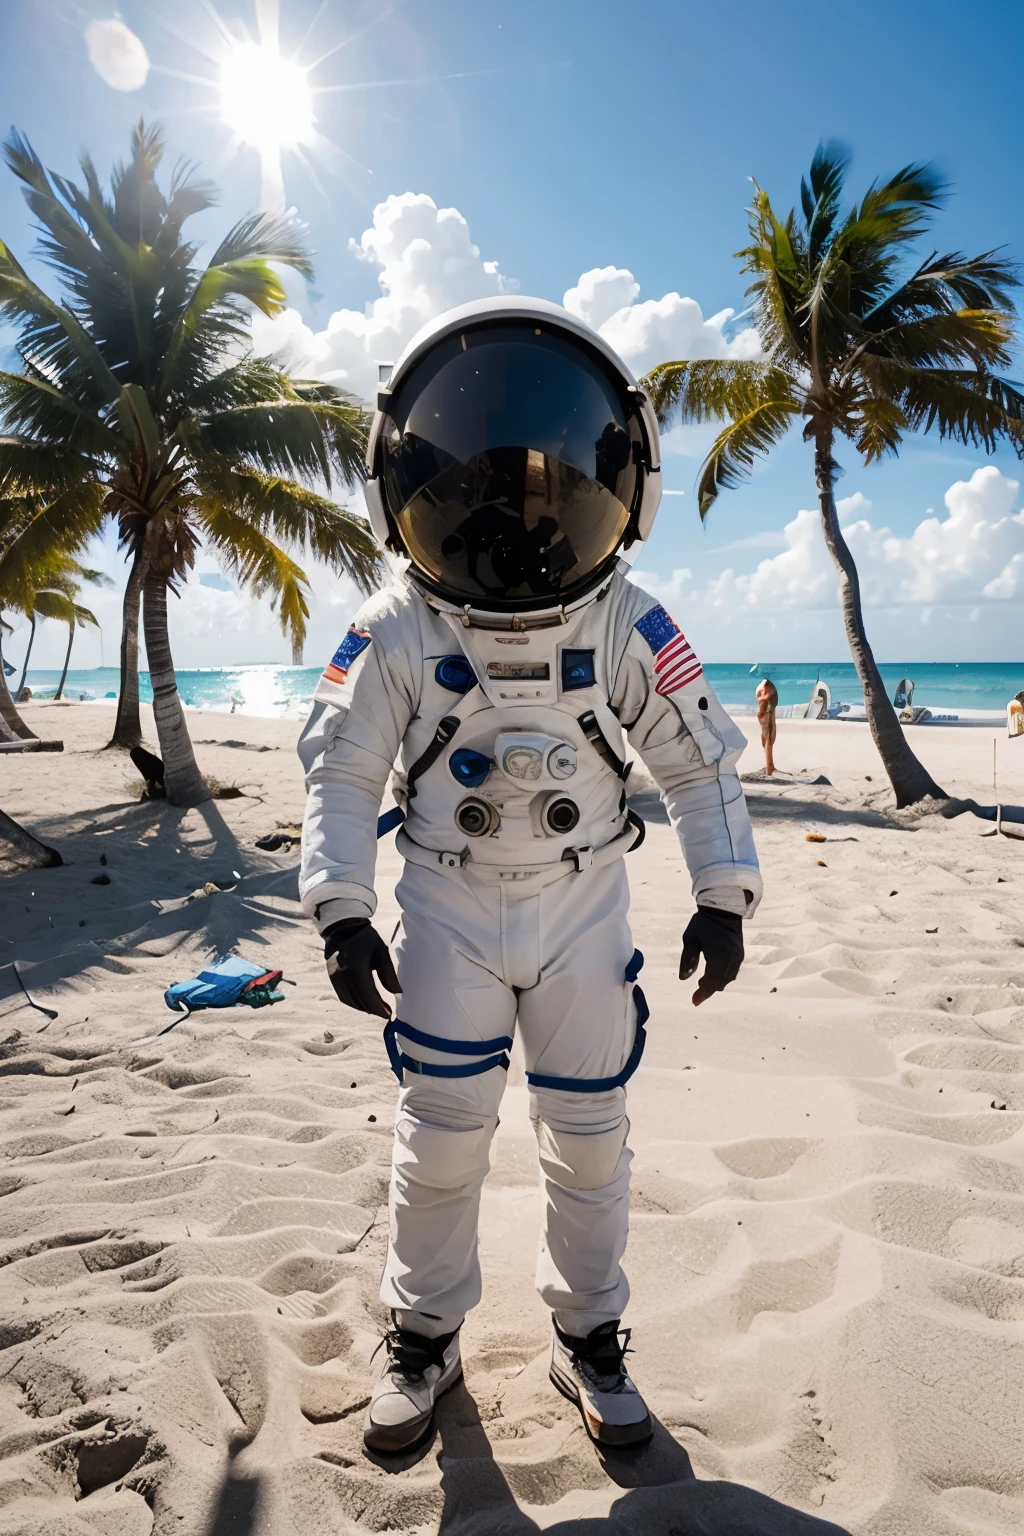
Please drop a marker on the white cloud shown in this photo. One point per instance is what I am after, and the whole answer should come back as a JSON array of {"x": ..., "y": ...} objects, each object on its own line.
[
  {"x": 670, "y": 591},
  {"x": 117, "y": 55},
  {"x": 428, "y": 264},
  {"x": 691, "y": 441},
  {"x": 601, "y": 293},
  {"x": 209, "y": 626},
  {"x": 771, "y": 538},
  {"x": 974, "y": 554},
  {"x": 652, "y": 330},
  {"x": 947, "y": 575},
  {"x": 959, "y": 580},
  {"x": 960, "y": 574}
]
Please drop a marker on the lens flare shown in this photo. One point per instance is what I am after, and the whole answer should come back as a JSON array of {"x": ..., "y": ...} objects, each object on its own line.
[{"x": 266, "y": 99}]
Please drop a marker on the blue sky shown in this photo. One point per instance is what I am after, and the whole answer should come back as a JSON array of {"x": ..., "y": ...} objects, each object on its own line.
[{"x": 573, "y": 135}]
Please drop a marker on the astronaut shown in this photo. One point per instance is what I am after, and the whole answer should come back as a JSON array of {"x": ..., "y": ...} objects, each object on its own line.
[{"x": 497, "y": 682}]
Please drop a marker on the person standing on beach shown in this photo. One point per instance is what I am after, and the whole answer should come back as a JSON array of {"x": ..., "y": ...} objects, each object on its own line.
[{"x": 511, "y": 458}]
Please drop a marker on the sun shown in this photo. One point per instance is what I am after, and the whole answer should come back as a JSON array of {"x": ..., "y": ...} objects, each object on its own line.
[{"x": 266, "y": 99}]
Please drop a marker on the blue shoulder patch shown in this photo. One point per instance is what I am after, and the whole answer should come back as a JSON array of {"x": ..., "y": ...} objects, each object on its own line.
[
  {"x": 657, "y": 628},
  {"x": 353, "y": 645}
]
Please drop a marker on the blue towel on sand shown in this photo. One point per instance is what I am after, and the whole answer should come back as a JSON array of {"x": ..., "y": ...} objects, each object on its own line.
[{"x": 222, "y": 984}]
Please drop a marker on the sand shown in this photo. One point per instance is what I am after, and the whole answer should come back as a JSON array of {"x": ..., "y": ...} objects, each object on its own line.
[{"x": 827, "y": 1246}]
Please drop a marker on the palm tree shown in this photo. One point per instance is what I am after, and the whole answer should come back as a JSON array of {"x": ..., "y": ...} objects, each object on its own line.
[
  {"x": 39, "y": 573},
  {"x": 143, "y": 382},
  {"x": 57, "y": 602},
  {"x": 18, "y": 837},
  {"x": 862, "y": 348},
  {"x": 73, "y": 615},
  {"x": 12, "y": 726},
  {"x": 58, "y": 599}
]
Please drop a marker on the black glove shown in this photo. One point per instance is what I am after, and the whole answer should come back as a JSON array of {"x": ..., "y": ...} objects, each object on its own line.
[
  {"x": 719, "y": 936},
  {"x": 353, "y": 950}
]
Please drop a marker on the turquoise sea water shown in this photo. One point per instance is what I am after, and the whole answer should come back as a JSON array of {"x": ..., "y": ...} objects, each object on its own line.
[{"x": 273, "y": 691}]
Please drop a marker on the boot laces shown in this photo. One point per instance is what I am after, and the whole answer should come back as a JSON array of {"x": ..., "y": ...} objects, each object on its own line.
[
  {"x": 410, "y": 1354},
  {"x": 600, "y": 1357}
]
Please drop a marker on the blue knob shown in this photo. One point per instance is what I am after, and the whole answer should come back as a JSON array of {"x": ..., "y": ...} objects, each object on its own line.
[{"x": 469, "y": 767}]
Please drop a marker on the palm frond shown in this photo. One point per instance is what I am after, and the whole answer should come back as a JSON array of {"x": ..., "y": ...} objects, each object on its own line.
[
  {"x": 39, "y": 536},
  {"x": 878, "y": 427},
  {"x": 965, "y": 405},
  {"x": 29, "y": 468},
  {"x": 265, "y": 237},
  {"x": 52, "y": 337},
  {"x": 139, "y": 208},
  {"x": 820, "y": 195},
  {"x": 295, "y": 514},
  {"x": 79, "y": 240},
  {"x": 215, "y": 316},
  {"x": 710, "y": 389},
  {"x": 292, "y": 436},
  {"x": 31, "y": 405},
  {"x": 54, "y": 605},
  {"x": 259, "y": 564},
  {"x": 736, "y": 447},
  {"x": 891, "y": 212},
  {"x": 26, "y": 568},
  {"x": 249, "y": 381},
  {"x": 981, "y": 338},
  {"x": 946, "y": 284},
  {"x": 775, "y": 259}
]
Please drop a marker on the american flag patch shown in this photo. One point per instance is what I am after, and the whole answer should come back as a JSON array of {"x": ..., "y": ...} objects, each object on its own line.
[
  {"x": 353, "y": 645},
  {"x": 675, "y": 665}
]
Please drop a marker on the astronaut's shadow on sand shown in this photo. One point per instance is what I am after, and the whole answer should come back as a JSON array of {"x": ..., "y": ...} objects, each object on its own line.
[{"x": 661, "y": 1497}]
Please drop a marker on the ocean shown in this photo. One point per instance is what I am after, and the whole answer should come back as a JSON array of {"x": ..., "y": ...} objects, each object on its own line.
[{"x": 285, "y": 691}]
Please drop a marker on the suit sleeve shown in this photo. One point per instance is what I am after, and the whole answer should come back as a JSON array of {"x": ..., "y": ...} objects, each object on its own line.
[
  {"x": 691, "y": 748},
  {"x": 362, "y": 708}
]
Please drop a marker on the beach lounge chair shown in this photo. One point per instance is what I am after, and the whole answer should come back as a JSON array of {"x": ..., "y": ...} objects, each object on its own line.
[
  {"x": 820, "y": 702},
  {"x": 903, "y": 698}
]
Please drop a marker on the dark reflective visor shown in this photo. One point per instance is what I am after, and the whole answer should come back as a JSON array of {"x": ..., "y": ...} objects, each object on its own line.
[{"x": 508, "y": 467}]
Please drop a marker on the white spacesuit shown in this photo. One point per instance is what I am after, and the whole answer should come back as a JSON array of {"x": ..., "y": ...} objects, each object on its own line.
[{"x": 508, "y": 671}]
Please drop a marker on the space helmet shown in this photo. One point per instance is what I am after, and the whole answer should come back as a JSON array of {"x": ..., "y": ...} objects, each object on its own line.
[{"x": 512, "y": 456}]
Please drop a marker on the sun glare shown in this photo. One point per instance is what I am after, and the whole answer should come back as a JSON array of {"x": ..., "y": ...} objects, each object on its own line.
[{"x": 266, "y": 99}]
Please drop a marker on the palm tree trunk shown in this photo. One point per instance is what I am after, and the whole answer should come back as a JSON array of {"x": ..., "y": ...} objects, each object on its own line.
[
  {"x": 128, "y": 726},
  {"x": 909, "y": 778},
  {"x": 28, "y": 652},
  {"x": 67, "y": 660},
  {"x": 13, "y": 726},
  {"x": 12, "y": 833},
  {"x": 184, "y": 783}
]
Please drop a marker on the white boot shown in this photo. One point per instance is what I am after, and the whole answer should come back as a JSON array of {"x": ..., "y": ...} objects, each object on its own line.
[
  {"x": 415, "y": 1374},
  {"x": 591, "y": 1373}
]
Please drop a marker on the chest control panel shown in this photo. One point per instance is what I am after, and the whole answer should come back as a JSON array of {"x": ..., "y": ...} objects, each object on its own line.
[{"x": 519, "y": 671}]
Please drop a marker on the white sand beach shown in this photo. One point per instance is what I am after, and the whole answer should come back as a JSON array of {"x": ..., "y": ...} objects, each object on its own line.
[{"x": 827, "y": 1241}]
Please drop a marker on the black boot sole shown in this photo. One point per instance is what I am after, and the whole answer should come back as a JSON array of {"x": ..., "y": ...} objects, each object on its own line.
[{"x": 618, "y": 1437}]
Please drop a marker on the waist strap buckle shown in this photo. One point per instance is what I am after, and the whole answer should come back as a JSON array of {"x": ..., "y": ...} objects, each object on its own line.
[
  {"x": 453, "y": 860},
  {"x": 580, "y": 858}
]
